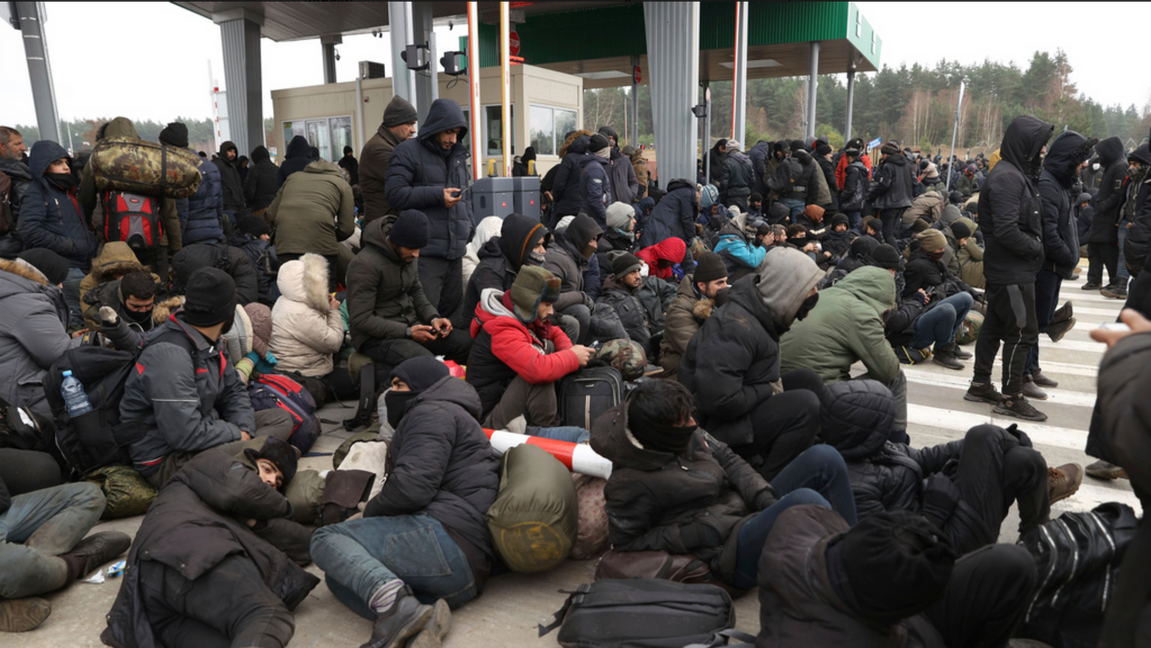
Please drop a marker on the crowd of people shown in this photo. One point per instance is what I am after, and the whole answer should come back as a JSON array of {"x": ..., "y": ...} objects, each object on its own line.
[{"x": 736, "y": 306}]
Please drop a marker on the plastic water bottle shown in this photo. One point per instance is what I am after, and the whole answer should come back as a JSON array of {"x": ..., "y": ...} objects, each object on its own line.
[{"x": 75, "y": 398}]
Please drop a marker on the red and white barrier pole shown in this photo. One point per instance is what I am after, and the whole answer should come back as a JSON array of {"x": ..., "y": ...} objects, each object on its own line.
[{"x": 577, "y": 457}]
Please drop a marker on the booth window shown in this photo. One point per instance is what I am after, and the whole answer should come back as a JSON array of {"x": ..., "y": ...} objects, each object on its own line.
[
  {"x": 328, "y": 134},
  {"x": 548, "y": 126},
  {"x": 493, "y": 128}
]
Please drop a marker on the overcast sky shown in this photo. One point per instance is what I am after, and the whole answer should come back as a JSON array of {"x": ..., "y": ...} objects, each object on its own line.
[{"x": 149, "y": 60}]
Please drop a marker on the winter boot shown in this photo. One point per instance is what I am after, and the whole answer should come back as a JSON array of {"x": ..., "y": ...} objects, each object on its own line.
[
  {"x": 1042, "y": 380},
  {"x": 1115, "y": 291},
  {"x": 23, "y": 614},
  {"x": 1017, "y": 406},
  {"x": 400, "y": 622},
  {"x": 1062, "y": 482},
  {"x": 93, "y": 551},
  {"x": 432, "y": 636},
  {"x": 960, "y": 352},
  {"x": 1056, "y": 330},
  {"x": 1106, "y": 470},
  {"x": 1090, "y": 286},
  {"x": 1031, "y": 390},
  {"x": 1063, "y": 313},
  {"x": 983, "y": 393},
  {"x": 946, "y": 357}
]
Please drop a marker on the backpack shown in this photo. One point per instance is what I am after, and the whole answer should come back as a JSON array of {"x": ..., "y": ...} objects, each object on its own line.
[
  {"x": 133, "y": 219},
  {"x": 1078, "y": 555},
  {"x": 587, "y": 393},
  {"x": 643, "y": 613},
  {"x": 270, "y": 391}
]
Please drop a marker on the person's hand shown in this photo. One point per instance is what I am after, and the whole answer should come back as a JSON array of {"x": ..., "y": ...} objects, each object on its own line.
[
  {"x": 923, "y": 296},
  {"x": 244, "y": 436},
  {"x": 423, "y": 333},
  {"x": 1130, "y": 317},
  {"x": 548, "y": 195},
  {"x": 79, "y": 333},
  {"x": 109, "y": 316},
  {"x": 583, "y": 354},
  {"x": 333, "y": 303},
  {"x": 451, "y": 197},
  {"x": 443, "y": 325}
]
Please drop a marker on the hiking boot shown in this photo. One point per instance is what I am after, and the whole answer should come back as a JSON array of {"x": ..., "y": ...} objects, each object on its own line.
[
  {"x": 983, "y": 393},
  {"x": 23, "y": 614},
  {"x": 1056, "y": 330},
  {"x": 1106, "y": 470},
  {"x": 1063, "y": 313},
  {"x": 93, "y": 551},
  {"x": 1043, "y": 381},
  {"x": 946, "y": 357},
  {"x": 1114, "y": 291},
  {"x": 402, "y": 621},
  {"x": 1062, "y": 482},
  {"x": 960, "y": 352},
  {"x": 432, "y": 636},
  {"x": 1018, "y": 407},
  {"x": 1090, "y": 286},
  {"x": 1031, "y": 390}
]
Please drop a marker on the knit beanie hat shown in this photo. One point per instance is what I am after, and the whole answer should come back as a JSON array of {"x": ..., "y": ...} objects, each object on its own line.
[
  {"x": 971, "y": 226},
  {"x": 175, "y": 134},
  {"x": 709, "y": 267},
  {"x": 956, "y": 197},
  {"x": 209, "y": 297},
  {"x": 399, "y": 111},
  {"x": 261, "y": 318},
  {"x": 890, "y": 566},
  {"x": 932, "y": 240},
  {"x": 279, "y": 453},
  {"x": 851, "y": 152},
  {"x": 960, "y": 231},
  {"x": 784, "y": 279},
  {"x": 813, "y": 212},
  {"x": 886, "y": 257},
  {"x": 755, "y": 198},
  {"x": 797, "y": 146},
  {"x": 709, "y": 196},
  {"x": 623, "y": 263},
  {"x": 252, "y": 224},
  {"x": 839, "y": 219},
  {"x": 598, "y": 144},
  {"x": 619, "y": 215},
  {"x": 53, "y": 266},
  {"x": 410, "y": 229},
  {"x": 733, "y": 145},
  {"x": 533, "y": 285},
  {"x": 822, "y": 149},
  {"x": 920, "y": 225},
  {"x": 890, "y": 148},
  {"x": 420, "y": 372}
]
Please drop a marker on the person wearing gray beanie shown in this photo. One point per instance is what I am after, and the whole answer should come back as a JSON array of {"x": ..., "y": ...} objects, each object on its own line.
[{"x": 398, "y": 126}]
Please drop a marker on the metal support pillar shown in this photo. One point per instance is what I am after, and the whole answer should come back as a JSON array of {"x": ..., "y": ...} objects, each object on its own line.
[
  {"x": 39, "y": 70},
  {"x": 633, "y": 135},
  {"x": 739, "y": 81},
  {"x": 812, "y": 83},
  {"x": 328, "y": 46},
  {"x": 850, "y": 101},
  {"x": 474, "y": 89},
  {"x": 400, "y": 25},
  {"x": 240, "y": 35},
  {"x": 506, "y": 99},
  {"x": 672, "y": 30},
  {"x": 426, "y": 88}
]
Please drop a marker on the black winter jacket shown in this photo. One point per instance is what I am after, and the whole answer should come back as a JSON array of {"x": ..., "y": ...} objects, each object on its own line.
[
  {"x": 202, "y": 214},
  {"x": 298, "y": 156},
  {"x": 624, "y": 184},
  {"x": 1010, "y": 207},
  {"x": 855, "y": 187},
  {"x": 1138, "y": 242},
  {"x": 1109, "y": 200},
  {"x": 632, "y": 315},
  {"x": 737, "y": 176},
  {"x": 674, "y": 215},
  {"x": 230, "y": 259},
  {"x": 261, "y": 185},
  {"x": 892, "y": 186},
  {"x": 596, "y": 188},
  {"x": 828, "y": 168},
  {"x": 566, "y": 184},
  {"x": 384, "y": 294},
  {"x": 420, "y": 171},
  {"x": 230, "y": 184},
  {"x": 924, "y": 272},
  {"x": 10, "y": 244},
  {"x": 691, "y": 503},
  {"x": 1060, "y": 231}
]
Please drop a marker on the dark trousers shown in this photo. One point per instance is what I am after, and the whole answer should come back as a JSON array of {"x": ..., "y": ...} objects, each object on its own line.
[
  {"x": 1047, "y": 285},
  {"x": 985, "y": 599},
  {"x": 269, "y": 423},
  {"x": 26, "y": 471},
  {"x": 892, "y": 220},
  {"x": 229, "y": 605},
  {"x": 443, "y": 284},
  {"x": 391, "y": 353},
  {"x": 536, "y": 403},
  {"x": 1010, "y": 319},
  {"x": 786, "y": 424},
  {"x": 1100, "y": 255}
]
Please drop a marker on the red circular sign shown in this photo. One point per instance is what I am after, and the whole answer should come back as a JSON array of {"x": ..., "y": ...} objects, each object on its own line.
[
  {"x": 514, "y": 44},
  {"x": 638, "y": 75}
]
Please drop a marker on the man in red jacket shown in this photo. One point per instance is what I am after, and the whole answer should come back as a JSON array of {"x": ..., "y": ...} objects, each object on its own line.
[{"x": 518, "y": 353}]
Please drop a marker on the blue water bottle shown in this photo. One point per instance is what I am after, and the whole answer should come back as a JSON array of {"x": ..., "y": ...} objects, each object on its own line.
[{"x": 75, "y": 399}]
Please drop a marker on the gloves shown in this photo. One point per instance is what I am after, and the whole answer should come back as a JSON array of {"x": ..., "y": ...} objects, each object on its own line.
[
  {"x": 940, "y": 497},
  {"x": 109, "y": 316},
  {"x": 698, "y": 534}
]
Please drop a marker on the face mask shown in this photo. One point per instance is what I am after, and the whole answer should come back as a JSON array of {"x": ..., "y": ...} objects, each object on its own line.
[
  {"x": 936, "y": 255},
  {"x": 227, "y": 325},
  {"x": 624, "y": 233},
  {"x": 806, "y": 306},
  {"x": 536, "y": 258},
  {"x": 644, "y": 270},
  {"x": 397, "y": 404},
  {"x": 64, "y": 181},
  {"x": 139, "y": 318}
]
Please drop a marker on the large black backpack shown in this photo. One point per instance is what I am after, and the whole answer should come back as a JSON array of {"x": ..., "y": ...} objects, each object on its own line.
[
  {"x": 1078, "y": 556},
  {"x": 587, "y": 393}
]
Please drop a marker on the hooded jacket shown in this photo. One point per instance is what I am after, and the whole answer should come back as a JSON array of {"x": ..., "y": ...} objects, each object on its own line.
[
  {"x": 1109, "y": 200},
  {"x": 230, "y": 259},
  {"x": 892, "y": 186},
  {"x": 928, "y": 207},
  {"x": 669, "y": 251},
  {"x": 260, "y": 186},
  {"x": 856, "y": 186},
  {"x": 419, "y": 172},
  {"x": 1138, "y": 241},
  {"x": 115, "y": 260},
  {"x": 1010, "y": 207},
  {"x": 501, "y": 258},
  {"x": 313, "y": 211},
  {"x": 595, "y": 187},
  {"x": 505, "y": 347},
  {"x": 686, "y": 314},
  {"x": 21, "y": 177},
  {"x": 759, "y": 155},
  {"x": 624, "y": 183},
  {"x": 306, "y": 331},
  {"x": 924, "y": 272},
  {"x": 846, "y": 326},
  {"x": 1060, "y": 231},
  {"x": 660, "y": 501},
  {"x": 33, "y": 317},
  {"x": 127, "y": 333},
  {"x": 384, "y": 293},
  {"x": 731, "y": 363},
  {"x": 440, "y": 463},
  {"x": 739, "y": 255},
  {"x": 639, "y": 168},
  {"x": 298, "y": 156},
  {"x": 52, "y": 218},
  {"x": 568, "y": 263},
  {"x": 230, "y": 181},
  {"x": 195, "y": 523},
  {"x": 841, "y": 170},
  {"x": 202, "y": 214},
  {"x": 736, "y": 176},
  {"x": 374, "y": 161},
  {"x": 567, "y": 182},
  {"x": 674, "y": 215}
]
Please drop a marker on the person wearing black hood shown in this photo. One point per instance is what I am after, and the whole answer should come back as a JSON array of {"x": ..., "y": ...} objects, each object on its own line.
[
  {"x": 736, "y": 177},
  {"x": 565, "y": 187},
  {"x": 298, "y": 157},
  {"x": 1010, "y": 215},
  {"x": 716, "y": 155},
  {"x": 567, "y": 258},
  {"x": 595, "y": 179},
  {"x": 201, "y": 215},
  {"x": 443, "y": 475},
  {"x": 1138, "y": 243},
  {"x": 1103, "y": 239},
  {"x": 856, "y": 186},
  {"x": 1135, "y": 188},
  {"x": 348, "y": 163},
  {"x": 260, "y": 186},
  {"x": 891, "y": 192},
  {"x": 430, "y": 173},
  {"x": 230, "y": 181},
  {"x": 521, "y": 164},
  {"x": 522, "y": 242}
]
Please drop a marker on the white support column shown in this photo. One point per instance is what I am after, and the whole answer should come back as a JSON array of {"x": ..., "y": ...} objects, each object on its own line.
[
  {"x": 240, "y": 35},
  {"x": 673, "y": 56},
  {"x": 474, "y": 83},
  {"x": 400, "y": 26},
  {"x": 850, "y": 101},
  {"x": 506, "y": 90},
  {"x": 426, "y": 81},
  {"x": 739, "y": 83},
  {"x": 812, "y": 84},
  {"x": 39, "y": 69}
]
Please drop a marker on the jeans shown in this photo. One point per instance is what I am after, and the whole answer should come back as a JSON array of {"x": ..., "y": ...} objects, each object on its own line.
[
  {"x": 38, "y": 527},
  {"x": 817, "y": 476},
  {"x": 939, "y": 325},
  {"x": 72, "y": 298},
  {"x": 361, "y": 556},
  {"x": 569, "y": 433},
  {"x": 1010, "y": 318},
  {"x": 854, "y": 221},
  {"x": 1047, "y": 285},
  {"x": 795, "y": 206}
]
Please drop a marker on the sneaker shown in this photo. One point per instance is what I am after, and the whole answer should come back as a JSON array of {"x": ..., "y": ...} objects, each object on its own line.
[
  {"x": 1031, "y": 390},
  {"x": 95, "y": 550},
  {"x": 1114, "y": 291},
  {"x": 23, "y": 614},
  {"x": 944, "y": 357},
  {"x": 1063, "y": 313},
  {"x": 1042, "y": 380},
  {"x": 983, "y": 393},
  {"x": 961, "y": 353},
  {"x": 1062, "y": 482},
  {"x": 1018, "y": 407},
  {"x": 1090, "y": 286},
  {"x": 432, "y": 636},
  {"x": 1056, "y": 330},
  {"x": 1106, "y": 470},
  {"x": 404, "y": 620}
]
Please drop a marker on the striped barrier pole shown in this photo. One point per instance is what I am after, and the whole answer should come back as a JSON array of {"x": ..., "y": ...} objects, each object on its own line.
[{"x": 578, "y": 457}]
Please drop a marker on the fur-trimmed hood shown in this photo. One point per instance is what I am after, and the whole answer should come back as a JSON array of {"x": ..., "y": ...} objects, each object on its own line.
[
  {"x": 109, "y": 294},
  {"x": 306, "y": 281},
  {"x": 23, "y": 269},
  {"x": 703, "y": 308},
  {"x": 115, "y": 260}
]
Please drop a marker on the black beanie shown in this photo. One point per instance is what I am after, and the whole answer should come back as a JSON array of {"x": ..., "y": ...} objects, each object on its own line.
[
  {"x": 252, "y": 224},
  {"x": 597, "y": 143},
  {"x": 410, "y": 229},
  {"x": 956, "y": 197},
  {"x": 623, "y": 263},
  {"x": 886, "y": 257},
  {"x": 839, "y": 218},
  {"x": 755, "y": 198},
  {"x": 53, "y": 266},
  {"x": 209, "y": 297},
  {"x": 891, "y": 565},
  {"x": 278, "y": 452},
  {"x": 960, "y": 230},
  {"x": 175, "y": 134},
  {"x": 709, "y": 267},
  {"x": 420, "y": 372},
  {"x": 796, "y": 146},
  {"x": 779, "y": 213},
  {"x": 822, "y": 149},
  {"x": 399, "y": 111}
]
